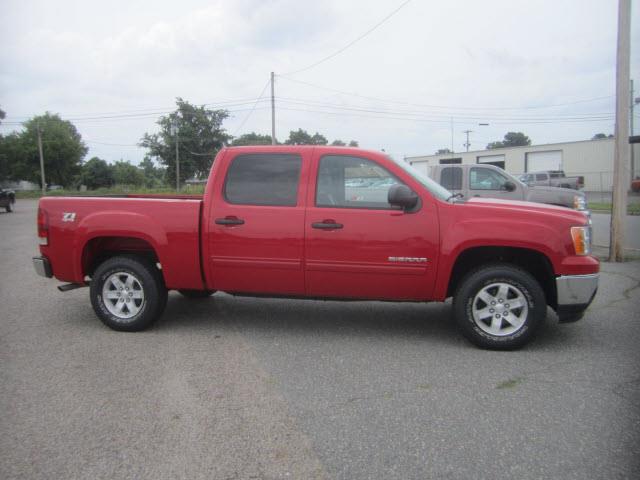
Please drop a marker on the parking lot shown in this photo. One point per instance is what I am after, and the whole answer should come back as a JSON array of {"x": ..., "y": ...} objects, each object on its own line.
[{"x": 239, "y": 388}]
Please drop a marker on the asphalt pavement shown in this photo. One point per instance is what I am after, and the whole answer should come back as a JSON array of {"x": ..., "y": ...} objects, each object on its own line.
[
  {"x": 238, "y": 388},
  {"x": 602, "y": 230}
]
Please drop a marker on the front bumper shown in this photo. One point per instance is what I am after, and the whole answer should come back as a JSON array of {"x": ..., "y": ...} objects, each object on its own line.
[
  {"x": 575, "y": 293},
  {"x": 42, "y": 266}
]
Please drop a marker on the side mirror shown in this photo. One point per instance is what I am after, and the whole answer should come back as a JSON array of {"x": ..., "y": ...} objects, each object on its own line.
[
  {"x": 509, "y": 186},
  {"x": 402, "y": 196}
]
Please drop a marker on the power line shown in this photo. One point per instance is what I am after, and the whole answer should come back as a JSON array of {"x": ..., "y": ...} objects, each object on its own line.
[
  {"x": 359, "y": 108},
  {"x": 252, "y": 109},
  {"x": 339, "y": 51},
  {"x": 450, "y": 107}
]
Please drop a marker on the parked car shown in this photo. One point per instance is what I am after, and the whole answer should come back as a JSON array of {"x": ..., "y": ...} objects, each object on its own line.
[
  {"x": 279, "y": 221},
  {"x": 7, "y": 199},
  {"x": 635, "y": 185},
  {"x": 552, "y": 178},
  {"x": 470, "y": 181}
]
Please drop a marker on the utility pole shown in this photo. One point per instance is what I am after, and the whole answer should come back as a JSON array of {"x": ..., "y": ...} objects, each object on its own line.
[
  {"x": 452, "y": 149},
  {"x": 175, "y": 131},
  {"x": 273, "y": 112},
  {"x": 621, "y": 155},
  {"x": 631, "y": 131},
  {"x": 467, "y": 144},
  {"x": 44, "y": 183}
]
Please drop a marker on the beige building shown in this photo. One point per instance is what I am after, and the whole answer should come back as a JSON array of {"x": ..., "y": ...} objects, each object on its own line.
[{"x": 592, "y": 159}]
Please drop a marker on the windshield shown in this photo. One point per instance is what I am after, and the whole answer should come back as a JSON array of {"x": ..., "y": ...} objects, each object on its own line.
[{"x": 438, "y": 190}]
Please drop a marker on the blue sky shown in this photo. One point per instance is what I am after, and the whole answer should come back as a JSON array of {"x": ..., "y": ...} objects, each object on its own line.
[{"x": 524, "y": 66}]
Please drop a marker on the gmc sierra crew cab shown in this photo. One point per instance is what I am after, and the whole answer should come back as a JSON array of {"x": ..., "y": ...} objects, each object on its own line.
[
  {"x": 323, "y": 223},
  {"x": 493, "y": 182}
]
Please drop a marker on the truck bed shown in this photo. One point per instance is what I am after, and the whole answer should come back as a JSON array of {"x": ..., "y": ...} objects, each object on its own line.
[{"x": 166, "y": 224}]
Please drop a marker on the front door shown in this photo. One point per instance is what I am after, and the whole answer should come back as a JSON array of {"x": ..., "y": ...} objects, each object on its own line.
[
  {"x": 256, "y": 224},
  {"x": 359, "y": 246}
]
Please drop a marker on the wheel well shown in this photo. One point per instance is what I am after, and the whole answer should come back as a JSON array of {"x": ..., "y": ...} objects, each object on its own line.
[
  {"x": 532, "y": 261},
  {"x": 99, "y": 249}
]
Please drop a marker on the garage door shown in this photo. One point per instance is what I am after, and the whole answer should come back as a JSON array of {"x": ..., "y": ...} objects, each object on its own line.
[
  {"x": 550, "y": 160},
  {"x": 497, "y": 160}
]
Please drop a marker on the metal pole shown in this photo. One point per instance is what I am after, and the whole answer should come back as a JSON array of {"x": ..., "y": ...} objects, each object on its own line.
[
  {"x": 44, "y": 183},
  {"x": 631, "y": 132},
  {"x": 273, "y": 112},
  {"x": 467, "y": 144},
  {"x": 621, "y": 156}
]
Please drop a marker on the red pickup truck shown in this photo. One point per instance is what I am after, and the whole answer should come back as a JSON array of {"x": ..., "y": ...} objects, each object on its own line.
[{"x": 323, "y": 223}]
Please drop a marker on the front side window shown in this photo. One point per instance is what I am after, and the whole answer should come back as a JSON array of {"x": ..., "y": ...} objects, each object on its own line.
[
  {"x": 541, "y": 177},
  {"x": 486, "y": 179},
  {"x": 353, "y": 182},
  {"x": 263, "y": 179}
]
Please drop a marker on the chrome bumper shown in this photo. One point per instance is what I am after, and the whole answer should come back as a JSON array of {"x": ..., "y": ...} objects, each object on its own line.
[
  {"x": 42, "y": 267},
  {"x": 576, "y": 289}
]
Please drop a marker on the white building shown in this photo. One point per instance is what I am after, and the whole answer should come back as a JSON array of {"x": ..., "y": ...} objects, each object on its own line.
[{"x": 592, "y": 159}]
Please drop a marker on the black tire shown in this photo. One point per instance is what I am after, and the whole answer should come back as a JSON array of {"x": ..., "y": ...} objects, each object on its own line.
[
  {"x": 8, "y": 208},
  {"x": 147, "y": 283},
  {"x": 519, "y": 287},
  {"x": 195, "y": 294}
]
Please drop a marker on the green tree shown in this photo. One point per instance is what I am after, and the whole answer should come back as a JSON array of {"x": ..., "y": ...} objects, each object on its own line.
[
  {"x": 353, "y": 143},
  {"x": 251, "y": 139},
  {"x": 338, "y": 143},
  {"x": 62, "y": 147},
  {"x": 2, "y": 114},
  {"x": 96, "y": 173},
  {"x": 126, "y": 174},
  {"x": 153, "y": 176},
  {"x": 200, "y": 136},
  {"x": 600, "y": 136},
  {"x": 12, "y": 156},
  {"x": 443, "y": 151},
  {"x": 301, "y": 137},
  {"x": 511, "y": 139}
]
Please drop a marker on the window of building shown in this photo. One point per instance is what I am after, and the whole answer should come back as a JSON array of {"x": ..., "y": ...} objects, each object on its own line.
[
  {"x": 353, "y": 182},
  {"x": 449, "y": 161},
  {"x": 263, "y": 179},
  {"x": 451, "y": 178}
]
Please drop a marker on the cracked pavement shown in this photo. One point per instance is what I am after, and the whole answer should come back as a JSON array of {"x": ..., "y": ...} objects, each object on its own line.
[{"x": 236, "y": 388}]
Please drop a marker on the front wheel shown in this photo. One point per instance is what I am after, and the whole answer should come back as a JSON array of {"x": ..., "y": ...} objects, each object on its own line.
[
  {"x": 127, "y": 293},
  {"x": 499, "y": 307},
  {"x": 8, "y": 208}
]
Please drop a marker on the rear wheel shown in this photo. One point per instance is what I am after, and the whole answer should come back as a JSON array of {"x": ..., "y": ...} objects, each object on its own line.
[
  {"x": 8, "y": 208},
  {"x": 193, "y": 294},
  {"x": 499, "y": 307},
  {"x": 128, "y": 293}
]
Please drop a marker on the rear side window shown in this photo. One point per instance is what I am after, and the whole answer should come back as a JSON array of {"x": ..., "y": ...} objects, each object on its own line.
[
  {"x": 541, "y": 176},
  {"x": 263, "y": 179},
  {"x": 451, "y": 178}
]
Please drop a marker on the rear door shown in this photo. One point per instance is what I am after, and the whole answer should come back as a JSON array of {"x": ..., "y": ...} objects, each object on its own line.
[
  {"x": 255, "y": 225},
  {"x": 359, "y": 246}
]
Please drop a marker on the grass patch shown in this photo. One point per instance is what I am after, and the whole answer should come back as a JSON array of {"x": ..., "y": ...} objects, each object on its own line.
[
  {"x": 632, "y": 209},
  {"x": 117, "y": 190},
  {"x": 511, "y": 383}
]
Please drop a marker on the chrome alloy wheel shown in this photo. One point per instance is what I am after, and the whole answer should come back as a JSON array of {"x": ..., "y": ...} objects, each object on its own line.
[
  {"x": 122, "y": 295},
  {"x": 500, "y": 309}
]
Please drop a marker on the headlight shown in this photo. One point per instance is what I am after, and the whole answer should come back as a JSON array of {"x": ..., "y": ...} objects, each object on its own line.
[
  {"x": 581, "y": 237},
  {"x": 579, "y": 202}
]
